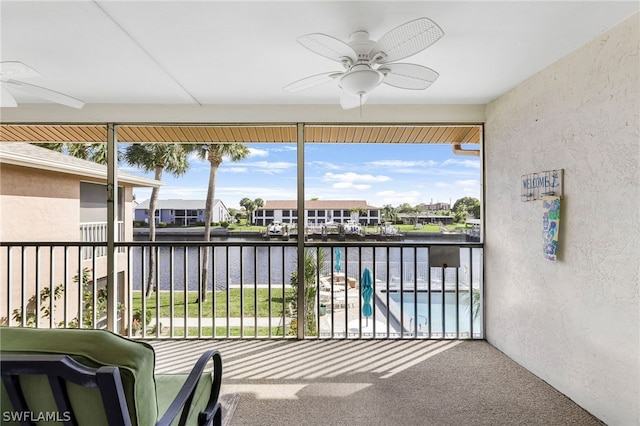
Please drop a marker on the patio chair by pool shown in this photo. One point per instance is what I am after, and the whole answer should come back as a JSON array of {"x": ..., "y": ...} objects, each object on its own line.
[{"x": 94, "y": 377}]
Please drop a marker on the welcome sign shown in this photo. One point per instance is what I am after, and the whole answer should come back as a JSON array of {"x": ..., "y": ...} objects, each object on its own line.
[{"x": 534, "y": 186}]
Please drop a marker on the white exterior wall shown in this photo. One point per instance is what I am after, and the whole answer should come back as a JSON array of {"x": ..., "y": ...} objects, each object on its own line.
[{"x": 576, "y": 322}]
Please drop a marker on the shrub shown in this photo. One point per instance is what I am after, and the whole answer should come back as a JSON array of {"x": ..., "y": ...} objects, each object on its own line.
[
  {"x": 136, "y": 320},
  {"x": 87, "y": 303}
]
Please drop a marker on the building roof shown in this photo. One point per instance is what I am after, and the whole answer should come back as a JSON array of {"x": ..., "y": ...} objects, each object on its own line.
[
  {"x": 317, "y": 205},
  {"x": 178, "y": 204},
  {"x": 29, "y": 155}
]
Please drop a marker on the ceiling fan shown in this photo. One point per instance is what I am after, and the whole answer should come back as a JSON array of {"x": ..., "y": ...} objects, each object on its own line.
[
  {"x": 17, "y": 70},
  {"x": 368, "y": 63}
]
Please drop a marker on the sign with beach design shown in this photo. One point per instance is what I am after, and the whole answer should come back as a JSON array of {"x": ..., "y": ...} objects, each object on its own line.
[{"x": 550, "y": 226}]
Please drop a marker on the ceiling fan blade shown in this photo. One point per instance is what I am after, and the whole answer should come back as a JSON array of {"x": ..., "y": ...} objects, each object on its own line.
[
  {"x": 313, "y": 81},
  {"x": 43, "y": 93},
  {"x": 16, "y": 69},
  {"x": 350, "y": 101},
  {"x": 6, "y": 100},
  {"x": 329, "y": 47},
  {"x": 408, "y": 76},
  {"x": 406, "y": 40}
]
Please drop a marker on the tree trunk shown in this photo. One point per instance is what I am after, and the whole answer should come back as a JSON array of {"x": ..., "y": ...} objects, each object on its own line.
[
  {"x": 153, "y": 203},
  {"x": 208, "y": 217}
]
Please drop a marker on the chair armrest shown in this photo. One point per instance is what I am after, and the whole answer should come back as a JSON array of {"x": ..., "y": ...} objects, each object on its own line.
[{"x": 182, "y": 401}]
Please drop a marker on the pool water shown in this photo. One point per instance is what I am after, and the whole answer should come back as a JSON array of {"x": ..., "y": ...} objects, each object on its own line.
[{"x": 432, "y": 313}]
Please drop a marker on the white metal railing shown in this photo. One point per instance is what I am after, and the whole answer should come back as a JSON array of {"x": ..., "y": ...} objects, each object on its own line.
[
  {"x": 96, "y": 232},
  {"x": 250, "y": 289}
]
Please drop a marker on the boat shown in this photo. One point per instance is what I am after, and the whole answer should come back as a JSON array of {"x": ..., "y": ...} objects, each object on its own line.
[
  {"x": 388, "y": 229},
  {"x": 331, "y": 228},
  {"x": 352, "y": 228},
  {"x": 277, "y": 229}
]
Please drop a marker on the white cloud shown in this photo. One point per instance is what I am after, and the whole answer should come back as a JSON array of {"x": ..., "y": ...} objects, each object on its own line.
[
  {"x": 270, "y": 167},
  {"x": 255, "y": 152},
  {"x": 173, "y": 192},
  {"x": 323, "y": 165},
  {"x": 231, "y": 195},
  {"x": 284, "y": 147},
  {"x": 396, "y": 198},
  {"x": 236, "y": 169},
  {"x": 350, "y": 185},
  {"x": 354, "y": 177},
  {"x": 464, "y": 163},
  {"x": 262, "y": 167},
  {"x": 468, "y": 182},
  {"x": 402, "y": 163}
]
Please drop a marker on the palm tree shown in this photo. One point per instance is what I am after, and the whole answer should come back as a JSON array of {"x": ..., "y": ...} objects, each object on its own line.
[
  {"x": 259, "y": 203},
  {"x": 249, "y": 207},
  {"x": 96, "y": 152},
  {"x": 157, "y": 158},
  {"x": 215, "y": 154},
  {"x": 389, "y": 212}
]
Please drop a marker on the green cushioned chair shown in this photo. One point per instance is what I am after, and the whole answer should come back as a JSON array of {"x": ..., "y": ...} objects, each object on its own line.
[{"x": 95, "y": 377}]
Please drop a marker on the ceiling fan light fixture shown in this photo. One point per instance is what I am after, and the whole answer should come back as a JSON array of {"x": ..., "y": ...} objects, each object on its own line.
[{"x": 361, "y": 79}]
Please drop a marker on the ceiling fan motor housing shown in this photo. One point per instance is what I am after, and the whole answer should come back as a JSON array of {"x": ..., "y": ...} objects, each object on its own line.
[{"x": 361, "y": 44}]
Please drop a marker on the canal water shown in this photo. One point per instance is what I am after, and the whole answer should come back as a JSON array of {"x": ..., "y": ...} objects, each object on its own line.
[{"x": 250, "y": 265}]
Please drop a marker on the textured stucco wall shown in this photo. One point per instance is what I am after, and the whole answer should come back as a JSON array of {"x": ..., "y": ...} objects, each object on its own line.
[
  {"x": 37, "y": 205},
  {"x": 576, "y": 322}
]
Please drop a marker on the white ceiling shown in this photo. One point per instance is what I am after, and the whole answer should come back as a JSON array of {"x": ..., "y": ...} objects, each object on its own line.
[{"x": 223, "y": 52}]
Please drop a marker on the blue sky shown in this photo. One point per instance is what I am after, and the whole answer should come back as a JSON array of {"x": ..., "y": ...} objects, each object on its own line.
[{"x": 378, "y": 173}]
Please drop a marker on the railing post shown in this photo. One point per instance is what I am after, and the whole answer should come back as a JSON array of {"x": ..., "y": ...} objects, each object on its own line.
[
  {"x": 301, "y": 234},
  {"x": 112, "y": 229}
]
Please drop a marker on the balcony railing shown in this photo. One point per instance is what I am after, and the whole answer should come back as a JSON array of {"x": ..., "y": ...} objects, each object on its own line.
[
  {"x": 248, "y": 291},
  {"x": 96, "y": 232}
]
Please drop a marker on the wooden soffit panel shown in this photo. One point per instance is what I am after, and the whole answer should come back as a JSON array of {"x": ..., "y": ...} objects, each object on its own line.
[
  {"x": 459, "y": 134},
  {"x": 53, "y": 133},
  {"x": 127, "y": 133}
]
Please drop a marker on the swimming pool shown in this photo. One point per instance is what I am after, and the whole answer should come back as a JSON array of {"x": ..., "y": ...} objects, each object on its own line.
[{"x": 432, "y": 321}]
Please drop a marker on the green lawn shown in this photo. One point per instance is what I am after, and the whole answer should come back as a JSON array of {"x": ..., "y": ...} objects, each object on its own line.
[
  {"x": 193, "y": 309},
  {"x": 222, "y": 331}
]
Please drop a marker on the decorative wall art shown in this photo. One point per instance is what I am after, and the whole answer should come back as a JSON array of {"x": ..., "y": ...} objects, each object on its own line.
[
  {"x": 534, "y": 186},
  {"x": 550, "y": 226}
]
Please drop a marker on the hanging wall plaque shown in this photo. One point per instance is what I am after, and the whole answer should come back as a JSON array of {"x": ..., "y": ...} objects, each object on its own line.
[
  {"x": 534, "y": 186},
  {"x": 550, "y": 226}
]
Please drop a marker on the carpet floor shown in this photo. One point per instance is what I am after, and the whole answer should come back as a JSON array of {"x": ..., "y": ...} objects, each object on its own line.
[{"x": 382, "y": 382}]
